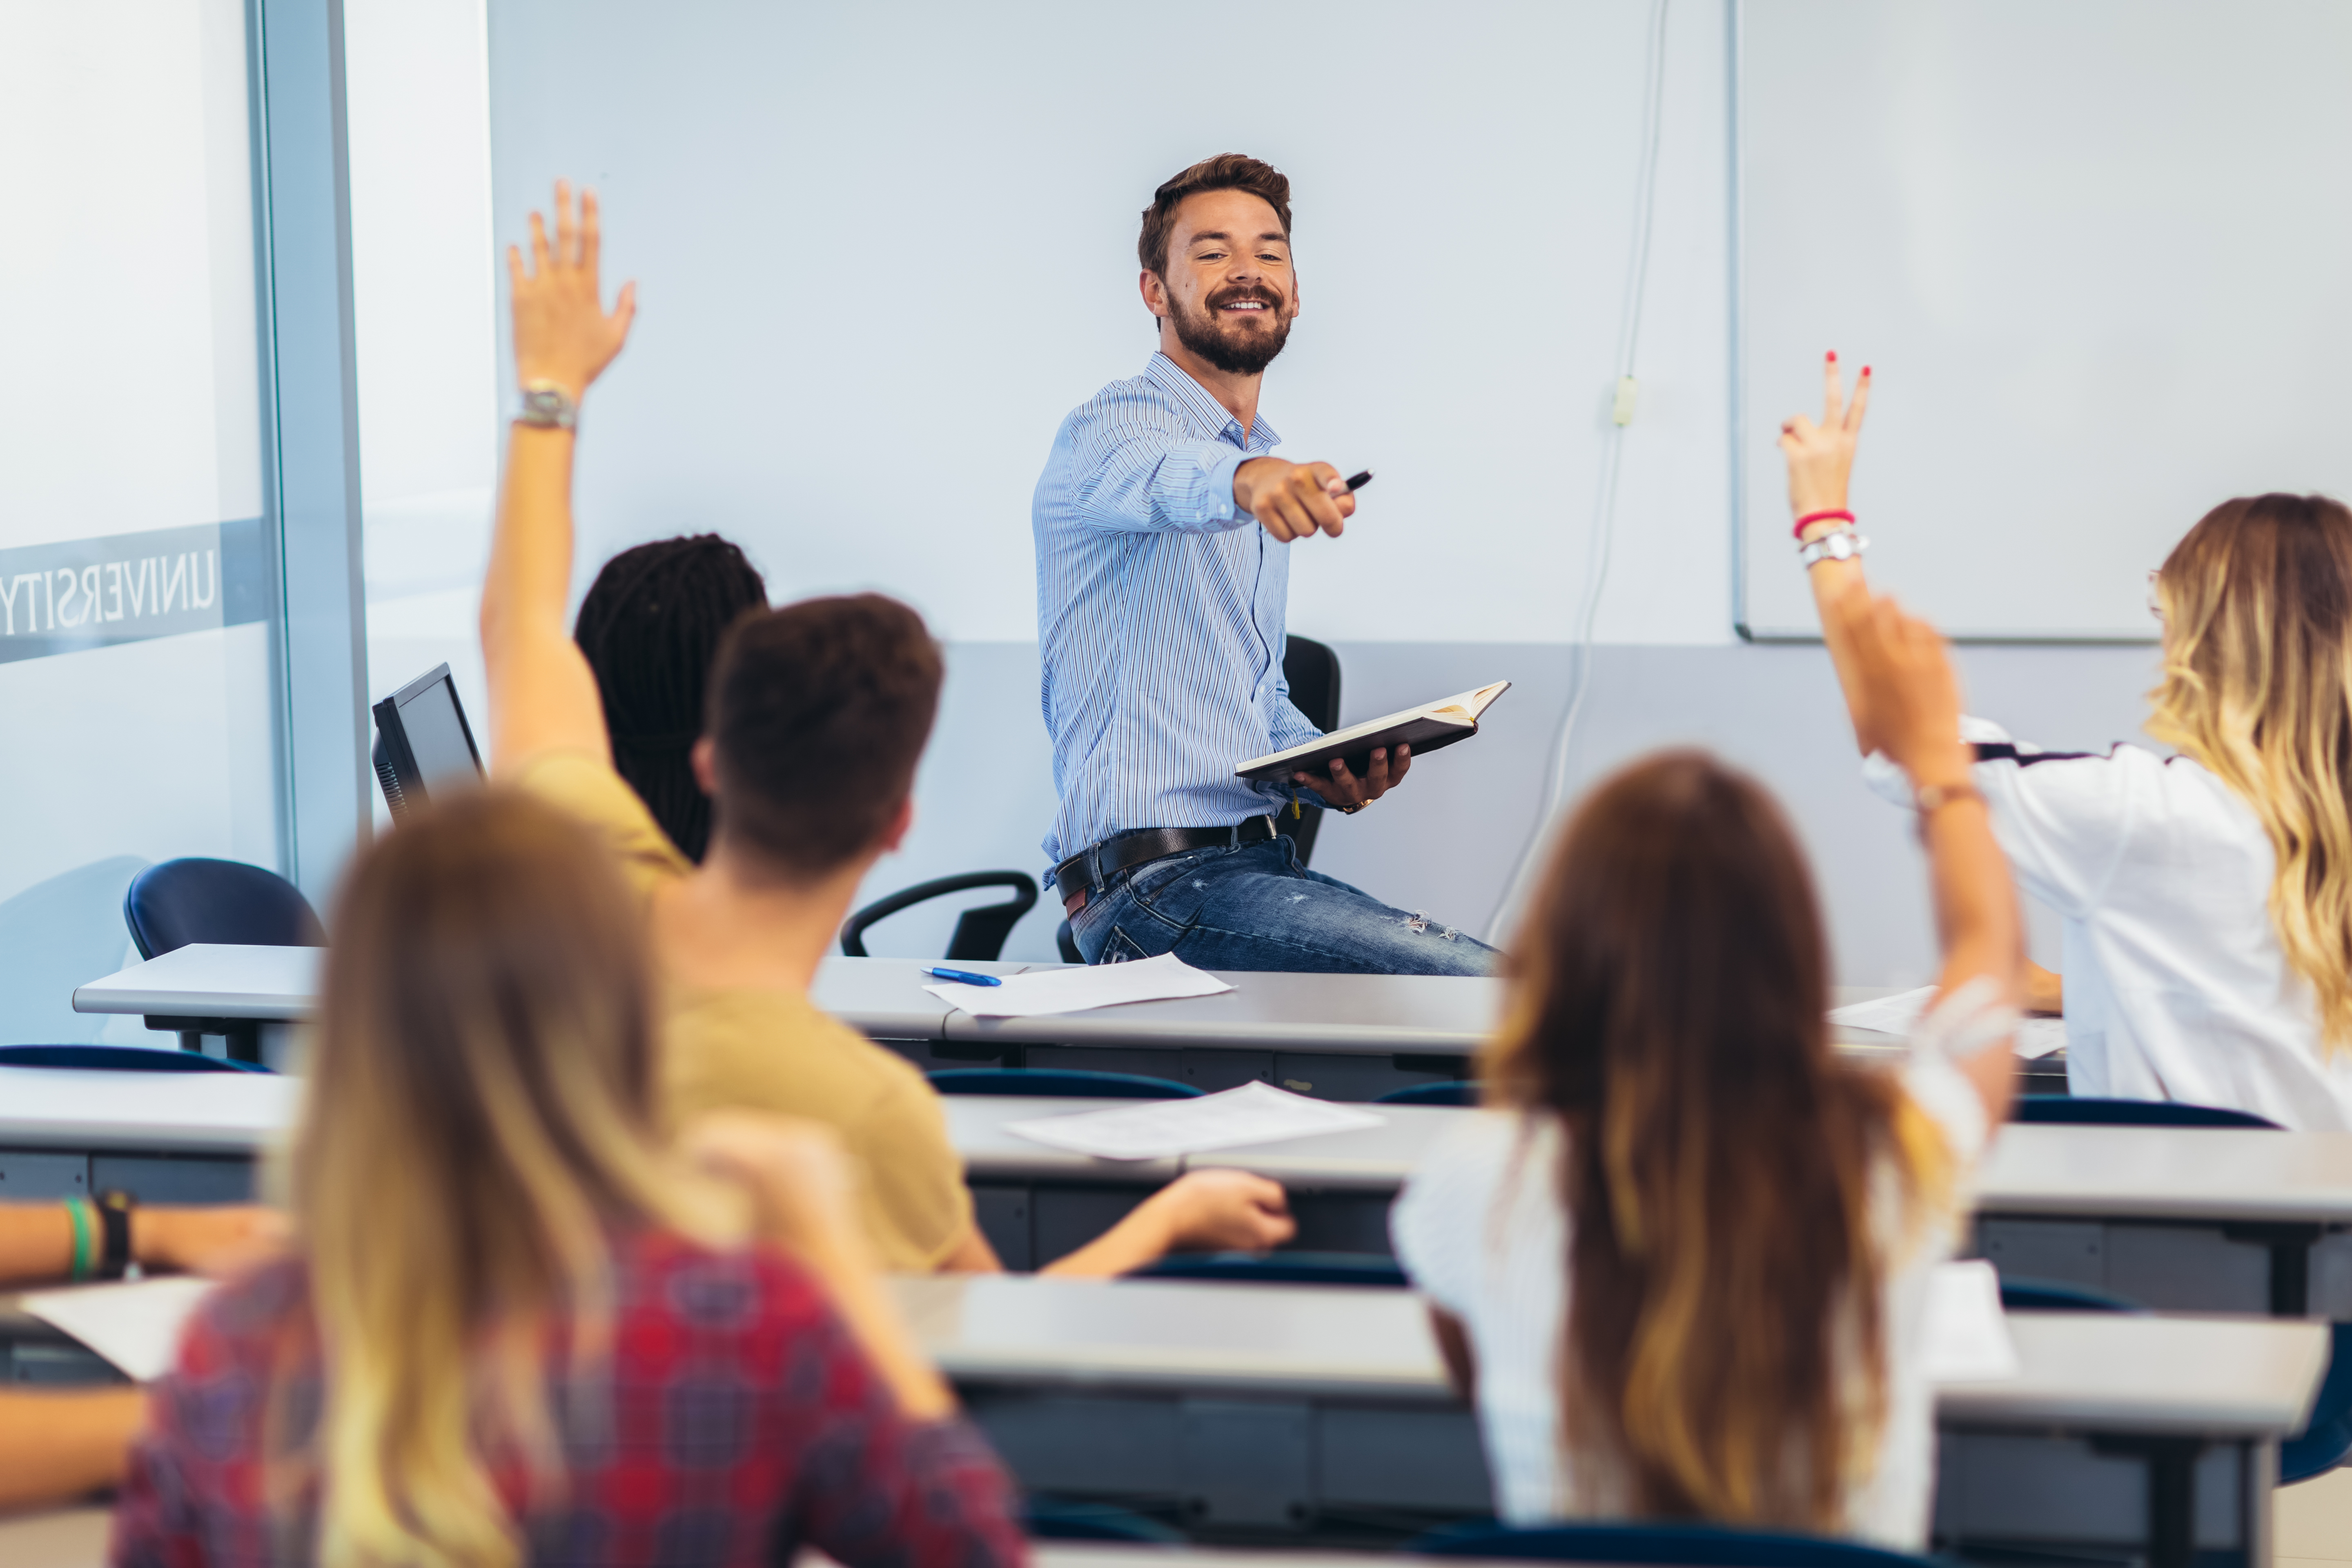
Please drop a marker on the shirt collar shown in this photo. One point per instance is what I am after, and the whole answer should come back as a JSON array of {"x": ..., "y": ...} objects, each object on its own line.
[{"x": 1210, "y": 415}]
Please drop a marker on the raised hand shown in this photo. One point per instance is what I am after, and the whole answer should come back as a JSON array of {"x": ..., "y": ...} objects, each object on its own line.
[
  {"x": 562, "y": 334},
  {"x": 1905, "y": 694},
  {"x": 1820, "y": 457}
]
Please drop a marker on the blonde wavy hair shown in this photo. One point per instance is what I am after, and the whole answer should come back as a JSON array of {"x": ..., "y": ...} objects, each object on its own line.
[
  {"x": 1724, "y": 1354},
  {"x": 476, "y": 1129},
  {"x": 2257, "y": 607}
]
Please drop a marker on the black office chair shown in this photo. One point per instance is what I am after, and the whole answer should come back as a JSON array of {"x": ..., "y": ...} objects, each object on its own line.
[
  {"x": 1464, "y": 1091},
  {"x": 225, "y": 902},
  {"x": 1062, "y": 1083},
  {"x": 1360, "y": 1269},
  {"x": 119, "y": 1059},
  {"x": 2068, "y": 1111},
  {"x": 1313, "y": 672},
  {"x": 979, "y": 933},
  {"x": 1684, "y": 1545}
]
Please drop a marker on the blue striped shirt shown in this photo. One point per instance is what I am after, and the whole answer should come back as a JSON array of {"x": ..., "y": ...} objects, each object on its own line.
[{"x": 1160, "y": 615}]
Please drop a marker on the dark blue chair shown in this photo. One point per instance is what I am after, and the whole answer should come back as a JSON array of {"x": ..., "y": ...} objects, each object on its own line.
[
  {"x": 2066, "y": 1110},
  {"x": 1277, "y": 1268},
  {"x": 2326, "y": 1438},
  {"x": 222, "y": 902},
  {"x": 119, "y": 1059},
  {"x": 2022, "y": 1294},
  {"x": 1044, "y": 1516},
  {"x": 1061, "y": 1084},
  {"x": 1684, "y": 1545},
  {"x": 1465, "y": 1092}
]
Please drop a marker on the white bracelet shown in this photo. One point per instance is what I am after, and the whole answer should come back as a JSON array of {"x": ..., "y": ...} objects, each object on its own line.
[{"x": 1841, "y": 544}]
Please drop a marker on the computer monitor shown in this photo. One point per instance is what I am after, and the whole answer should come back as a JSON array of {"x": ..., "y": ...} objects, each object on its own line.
[{"x": 423, "y": 742}]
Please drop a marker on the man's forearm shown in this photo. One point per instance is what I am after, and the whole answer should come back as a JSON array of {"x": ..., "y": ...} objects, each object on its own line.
[
  {"x": 530, "y": 576},
  {"x": 1143, "y": 1237},
  {"x": 55, "y": 1447}
]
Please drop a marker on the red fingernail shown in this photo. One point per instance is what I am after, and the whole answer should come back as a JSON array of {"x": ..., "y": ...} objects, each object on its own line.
[
  {"x": 1833, "y": 356},
  {"x": 1865, "y": 370}
]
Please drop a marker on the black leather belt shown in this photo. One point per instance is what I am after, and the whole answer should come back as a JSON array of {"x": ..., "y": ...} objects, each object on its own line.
[{"x": 1089, "y": 869}]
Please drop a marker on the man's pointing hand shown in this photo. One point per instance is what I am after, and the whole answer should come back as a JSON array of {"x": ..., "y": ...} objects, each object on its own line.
[{"x": 1294, "y": 500}]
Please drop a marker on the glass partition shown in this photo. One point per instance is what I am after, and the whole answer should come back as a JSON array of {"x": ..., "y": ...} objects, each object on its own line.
[{"x": 138, "y": 571}]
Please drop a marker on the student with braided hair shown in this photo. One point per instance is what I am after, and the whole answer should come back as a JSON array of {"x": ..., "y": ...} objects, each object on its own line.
[{"x": 650, "y": 629}]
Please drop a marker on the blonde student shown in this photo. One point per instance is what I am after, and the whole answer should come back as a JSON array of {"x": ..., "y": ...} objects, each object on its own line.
[
  {"x": 1681, "y": 1263},
  {"x": 516, "y": 1325},
  {"x": 2206, "y": 897}
]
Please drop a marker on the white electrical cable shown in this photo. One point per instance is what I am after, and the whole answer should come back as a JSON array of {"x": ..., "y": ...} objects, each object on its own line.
[{"x": 1604, "y": 518}]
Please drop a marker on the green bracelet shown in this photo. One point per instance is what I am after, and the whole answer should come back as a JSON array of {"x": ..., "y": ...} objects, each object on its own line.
[{"x": 78, "y": 1210}]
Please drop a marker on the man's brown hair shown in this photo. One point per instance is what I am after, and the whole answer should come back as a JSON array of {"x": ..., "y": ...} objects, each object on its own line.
[
  {"x": 818, "y": 714},
  {"x": 1225, "y": 172}
]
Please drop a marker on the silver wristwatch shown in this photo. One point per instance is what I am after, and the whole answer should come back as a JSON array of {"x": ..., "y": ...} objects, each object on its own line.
[
  {"x": 547, "y": 407},
  {"x": 1843, "y": 545}
]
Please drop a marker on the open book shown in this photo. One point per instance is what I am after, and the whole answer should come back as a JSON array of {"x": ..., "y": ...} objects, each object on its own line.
[{"x": 1424, "y": 729}]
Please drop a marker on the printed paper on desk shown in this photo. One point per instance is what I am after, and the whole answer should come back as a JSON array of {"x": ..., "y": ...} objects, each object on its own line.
[
  {"x": 1900, "y": 1013},
  {"x": 1965, "y": 1338},
  {"x": 1045, "y": 992},
  {"x": 135, "y": 1326},
  {"x": 1159, "y": 1129}
]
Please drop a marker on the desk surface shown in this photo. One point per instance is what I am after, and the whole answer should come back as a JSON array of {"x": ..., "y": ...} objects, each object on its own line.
[
  {"x": 884, "y": 998},
  {"x": 2223, "y": 1377},
  {"x": 152, "y": 1113}
]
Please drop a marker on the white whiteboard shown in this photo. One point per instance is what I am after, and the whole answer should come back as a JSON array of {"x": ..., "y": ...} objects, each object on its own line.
[
  {"x": 2101, "y": 256},
  {"x": 882, "y": 250}
]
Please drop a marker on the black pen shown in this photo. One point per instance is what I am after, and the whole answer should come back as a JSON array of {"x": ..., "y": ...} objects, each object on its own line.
[{"x": 1360, "y": 481}]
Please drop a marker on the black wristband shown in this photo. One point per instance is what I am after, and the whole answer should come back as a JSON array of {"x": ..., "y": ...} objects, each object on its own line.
[{"x": 114, "y": 1216}]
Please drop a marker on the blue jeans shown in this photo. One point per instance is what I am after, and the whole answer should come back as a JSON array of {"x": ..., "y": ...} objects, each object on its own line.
[{"x": 1256, "y": 906}]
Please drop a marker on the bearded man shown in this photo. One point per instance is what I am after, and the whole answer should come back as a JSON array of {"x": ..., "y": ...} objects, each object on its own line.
[{"x": 1163, "y": 527}]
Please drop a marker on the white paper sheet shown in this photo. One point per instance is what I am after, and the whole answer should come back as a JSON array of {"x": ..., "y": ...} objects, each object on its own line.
[
  {"x": 1159, "y": 1129},
  {"x": 135, "y": 1325},
  {"x": 1900, "y": 1013},
  {"x": 1049, "y": 991},
  {"x": 1965, "y": 1338}
]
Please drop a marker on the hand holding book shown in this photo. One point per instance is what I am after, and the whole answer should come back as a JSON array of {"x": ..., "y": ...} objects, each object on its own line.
[{"x": 1343, "y": 766}]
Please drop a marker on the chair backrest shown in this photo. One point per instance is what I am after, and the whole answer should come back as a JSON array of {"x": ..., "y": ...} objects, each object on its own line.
[
  {"x": 1684, "y": 1545},
  {"x": 2019, "y": 1293},
  {"x": 182, "y": 901},
  {"x": 1312, "y": 671},
  {"x": 119, "y": 1059},
  {"x": 1372, "y": 1268},
  {"x": 1464, "y": 1091},
  {"x": 2326, "y": 1438},
  {"x": 2065, "y": 1110},
  {"x": 979, "y": 933},
  {"x": 1062, "y": 1084}
]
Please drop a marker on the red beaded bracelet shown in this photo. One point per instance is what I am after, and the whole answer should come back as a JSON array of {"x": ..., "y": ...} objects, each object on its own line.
[{"x": 1811, "y": 518}]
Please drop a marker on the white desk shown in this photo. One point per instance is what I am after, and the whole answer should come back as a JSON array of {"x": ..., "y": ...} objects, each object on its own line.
[
  {"x": 1266, "y": 1408},
  {"x": 1346, "y": 1030}
]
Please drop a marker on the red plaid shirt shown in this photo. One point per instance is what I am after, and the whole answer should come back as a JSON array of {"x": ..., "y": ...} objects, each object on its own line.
[{"x": 734, "y": 1422}]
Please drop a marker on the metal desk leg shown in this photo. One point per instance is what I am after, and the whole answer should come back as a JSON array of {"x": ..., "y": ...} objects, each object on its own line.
[{"x": 2171, "y": 1494}]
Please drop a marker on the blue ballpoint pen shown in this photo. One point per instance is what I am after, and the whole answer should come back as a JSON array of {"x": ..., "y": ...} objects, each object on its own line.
[{"x": 965, "y": 975}]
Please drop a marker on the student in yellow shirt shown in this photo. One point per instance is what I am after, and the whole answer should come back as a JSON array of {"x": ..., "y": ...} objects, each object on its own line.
[{"x": 818, "y": 713}]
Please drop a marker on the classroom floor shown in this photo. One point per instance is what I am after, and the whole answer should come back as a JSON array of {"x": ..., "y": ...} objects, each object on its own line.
[{"x": 2311, "y": 1524}]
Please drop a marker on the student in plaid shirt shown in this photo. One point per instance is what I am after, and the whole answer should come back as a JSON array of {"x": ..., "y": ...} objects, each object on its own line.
[{"x": 514, "y": 1327}]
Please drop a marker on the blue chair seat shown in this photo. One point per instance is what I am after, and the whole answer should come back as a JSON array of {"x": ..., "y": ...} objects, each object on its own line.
[
  {"x": 119, "y": 1059},
  {"x": 1466, "y": 1092},
  {"x": 2019, "y": 1293},
  {"x": 1684, "y": 1545},
  {"x": 1055, "y": 1081},
  {"x": 2067, "y": 1110},
  {"x": 1278, "y": 1268}
]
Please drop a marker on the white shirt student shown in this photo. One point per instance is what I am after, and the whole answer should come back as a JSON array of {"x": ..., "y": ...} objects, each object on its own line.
[
  {"x": 2207, "y": 898},
  {"x": 1683, "y": 1266}
]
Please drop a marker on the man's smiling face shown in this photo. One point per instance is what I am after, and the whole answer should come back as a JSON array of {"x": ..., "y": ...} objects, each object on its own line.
[{"x": 1229, "y": 290}]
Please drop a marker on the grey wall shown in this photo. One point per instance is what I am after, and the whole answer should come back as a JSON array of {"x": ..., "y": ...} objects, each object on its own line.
[{"x": 1447, "y": 842}]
